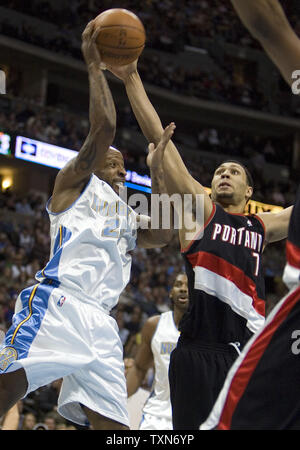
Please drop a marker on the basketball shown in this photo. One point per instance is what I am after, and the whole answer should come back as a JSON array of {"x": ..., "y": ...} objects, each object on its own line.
[{"x": 121, "y": 38}]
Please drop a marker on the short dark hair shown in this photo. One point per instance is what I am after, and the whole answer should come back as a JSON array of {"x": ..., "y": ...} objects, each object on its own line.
[{"x": 248, "y": 174}]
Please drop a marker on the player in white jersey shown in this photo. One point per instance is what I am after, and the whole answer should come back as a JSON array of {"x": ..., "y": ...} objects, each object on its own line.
[
  {"x": 159, "y": 338},
  {"x": 62, "y": 326}
]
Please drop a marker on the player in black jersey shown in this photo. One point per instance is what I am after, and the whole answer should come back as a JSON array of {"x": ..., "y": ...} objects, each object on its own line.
[
  {"x": 226, "y": 287},
  {"x": 262, "y": 389}
]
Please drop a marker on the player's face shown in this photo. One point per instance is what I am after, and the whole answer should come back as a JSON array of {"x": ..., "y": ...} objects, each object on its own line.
[
  {"x": 113, "y": 171},
  {"x": 179, "y": 293},
  {"x": 229, "y": 184}
]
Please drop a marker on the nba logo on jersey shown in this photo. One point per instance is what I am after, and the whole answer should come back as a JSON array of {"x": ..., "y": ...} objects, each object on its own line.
[{"x": 61, "y": 300}]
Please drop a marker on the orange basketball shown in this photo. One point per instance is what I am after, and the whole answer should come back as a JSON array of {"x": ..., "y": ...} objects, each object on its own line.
[{"x": 121, "y": 38}]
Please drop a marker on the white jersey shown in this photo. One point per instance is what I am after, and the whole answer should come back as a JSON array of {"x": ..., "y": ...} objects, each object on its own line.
[
  {"x": 163, "y": 343},
  {"x": 90, "y": 245}
]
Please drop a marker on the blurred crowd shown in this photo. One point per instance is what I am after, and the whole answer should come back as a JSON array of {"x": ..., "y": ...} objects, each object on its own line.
[
  {"x": 200, "y": 83},
  {"x": 69, "y": 130},
  {"x": 170, "y": 28},
  {"x": 56, "y": 127},
  {"x": 38, "y": 411},
  {"x": 166, "y": 22}
]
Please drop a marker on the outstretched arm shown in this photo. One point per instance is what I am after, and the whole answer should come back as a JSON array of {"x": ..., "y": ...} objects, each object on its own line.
[
  {"x": 276, "y": 224},
  {"x": 178, "y": 180},
  {"x": 157, "y": 234},
  {"x": 267, "y": 22},
  {"x": 72, "y": 178}
]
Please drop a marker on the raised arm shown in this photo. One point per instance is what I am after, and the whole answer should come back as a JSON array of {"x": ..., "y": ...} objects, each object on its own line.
[
  {"x": 267, "y": 22},
  {"x": 161, "y": 233},
  {"x": 178, "y": 180},
  {"x": 72, "y": 178}
]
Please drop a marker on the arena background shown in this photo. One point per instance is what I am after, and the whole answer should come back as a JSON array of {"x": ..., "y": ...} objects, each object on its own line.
[{"x": 202, "y": 70}]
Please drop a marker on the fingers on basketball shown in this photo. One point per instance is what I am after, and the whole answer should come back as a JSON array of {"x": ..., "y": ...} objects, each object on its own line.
[{"x": 89, "y": 29}]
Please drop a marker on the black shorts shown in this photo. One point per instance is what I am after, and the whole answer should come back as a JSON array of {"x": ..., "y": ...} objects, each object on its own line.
[
  {"x": 262, "y": 390},
  {"x": 196, "y": 376}
]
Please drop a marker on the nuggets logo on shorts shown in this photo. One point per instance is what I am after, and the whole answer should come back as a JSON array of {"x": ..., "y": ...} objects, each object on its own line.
[{"x": 7, "y": 356}]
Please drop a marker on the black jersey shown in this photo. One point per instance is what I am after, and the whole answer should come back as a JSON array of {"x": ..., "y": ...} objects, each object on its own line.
[
  {"x": 262, "y": 390},
  {"x": 226, "y": 286}
]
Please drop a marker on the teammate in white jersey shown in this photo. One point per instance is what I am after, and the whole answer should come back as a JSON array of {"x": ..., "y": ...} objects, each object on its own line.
[
  {"x": 159, "y": 338},
  {"x": 62, "y": 326}
]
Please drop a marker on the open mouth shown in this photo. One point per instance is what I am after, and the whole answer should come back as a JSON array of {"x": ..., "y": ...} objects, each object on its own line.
[
  {"x": 183, "y": 299},
  {"x": 224, "y": 185}
]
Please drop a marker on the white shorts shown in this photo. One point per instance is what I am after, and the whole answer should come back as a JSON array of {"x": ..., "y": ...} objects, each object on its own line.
[
  {"x": 54, "y": 335},
  {"x": 150, "y": 422}
]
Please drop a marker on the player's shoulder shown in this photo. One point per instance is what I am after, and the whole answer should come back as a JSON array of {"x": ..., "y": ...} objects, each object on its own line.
[
  {"x": 150, "y": 326},
  {"x": 153, "y": 320}
]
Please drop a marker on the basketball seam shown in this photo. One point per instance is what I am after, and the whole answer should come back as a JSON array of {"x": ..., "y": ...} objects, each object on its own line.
[
  {"x": 122, "y": 26},
  {"x": 119, "y": 48}
]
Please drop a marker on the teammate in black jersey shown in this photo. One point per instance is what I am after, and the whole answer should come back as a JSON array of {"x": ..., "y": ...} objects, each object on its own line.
[
  {"x": 225, "y": 284},
  {"x": 262, "y": 389}
]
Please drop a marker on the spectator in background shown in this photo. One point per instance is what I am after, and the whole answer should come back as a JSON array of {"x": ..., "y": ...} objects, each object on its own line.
[
  {"x": 40, "y": 426},
  {"x": 26, "y": 240},
  {"x": 135, "y": 322},
  {"x": 23, "y": 207},
  {"x": 28, "y": 422},
  {"x": 18, "y": 266},
  {"x": 52, "y": 131},
  {"x": 6, "y": 277},
  {"x": 2, "y": 315},
  {"x": 46, "y": 399},
  {"x": 123, "y": 331},
  {"x": 9, "y": 311},
  {"x": 51, "y": 420},
  {"x": 269, "y": 151},
  {"x": 277, "y": 196}
]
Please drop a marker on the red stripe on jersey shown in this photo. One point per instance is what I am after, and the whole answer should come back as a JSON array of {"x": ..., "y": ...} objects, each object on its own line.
[
  {"x": 293, "y": 254},
  {"x": 232, "y": 273},
  {"x": 243, "y": 374}
]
